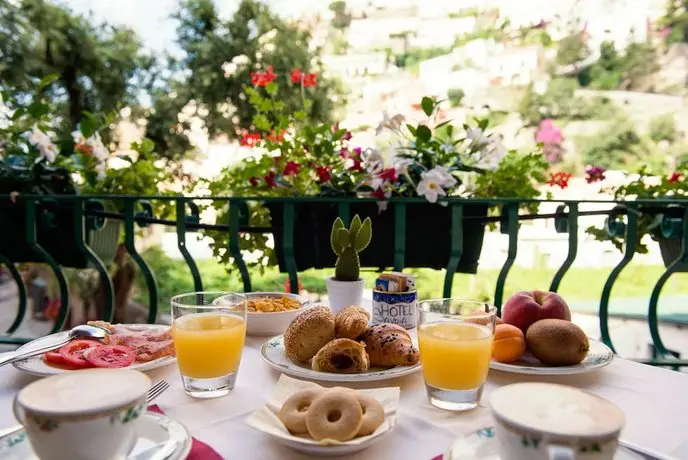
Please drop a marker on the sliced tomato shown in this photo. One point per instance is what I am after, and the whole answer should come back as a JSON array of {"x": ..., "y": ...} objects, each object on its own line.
[
  {"x": 54, "y": 357},
  {"x": 73, "y": 353},
  {"x": 110, "y": 356}
]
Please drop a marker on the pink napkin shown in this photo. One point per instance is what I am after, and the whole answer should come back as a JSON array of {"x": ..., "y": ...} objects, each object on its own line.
[
  {"x": 199, "y": 450},
  {"x": 439, "y": 457}
]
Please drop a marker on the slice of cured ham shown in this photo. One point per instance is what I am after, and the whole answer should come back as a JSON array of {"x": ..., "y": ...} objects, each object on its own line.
[{"x": 146, "y": 343}]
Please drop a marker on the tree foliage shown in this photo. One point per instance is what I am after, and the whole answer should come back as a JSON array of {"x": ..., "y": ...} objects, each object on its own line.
[
  {"x": 97, "y": 64},
  {"x": 219, "y": 57}
]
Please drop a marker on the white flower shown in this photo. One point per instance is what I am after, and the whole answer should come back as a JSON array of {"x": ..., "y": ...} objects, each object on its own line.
[
  {"x": 259, "y": 55},
  {"x": 229, "y": 68},
  {"x": 477, "y": 136},
  {"x": 492, "y": 154},
  {"x": 42, "y": 142},
  {"x": 446, "y": 179},
  {"x": 401, "y": 165},
  {"x": 447, "y": 147},
  {"x": 268, "y": 36},
  {"x": 430, "y": 186},
  {"x": 270, "y": 47},
  {"x": 389, "y": 123},
  {"x": 240, "y": 60},
  {"x": 78, "y": 137},
  {"x": 374, "y": 162}
]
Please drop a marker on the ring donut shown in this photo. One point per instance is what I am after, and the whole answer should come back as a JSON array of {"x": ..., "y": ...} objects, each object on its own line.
[
  {"x": 334, "y": 415},
  {"x": 373, "y": 414},
  {"x": 294, "y": 409}
]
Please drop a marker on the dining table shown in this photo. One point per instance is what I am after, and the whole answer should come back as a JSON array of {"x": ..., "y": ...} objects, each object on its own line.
[{"x": 654, "y": 400}]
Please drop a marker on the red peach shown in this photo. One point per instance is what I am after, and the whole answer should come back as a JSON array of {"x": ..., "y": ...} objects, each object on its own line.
[{"x": 526, "y": 307}]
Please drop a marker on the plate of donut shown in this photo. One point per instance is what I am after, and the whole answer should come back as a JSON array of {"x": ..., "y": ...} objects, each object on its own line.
[{"x": 326, "y": 421}]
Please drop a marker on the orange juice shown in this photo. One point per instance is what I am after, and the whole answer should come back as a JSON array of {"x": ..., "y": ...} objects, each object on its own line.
[
  {"x": 455, "y": 356},
  {"x": 208, "y": 345}
]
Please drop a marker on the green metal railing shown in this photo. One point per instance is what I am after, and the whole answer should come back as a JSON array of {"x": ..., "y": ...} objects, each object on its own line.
[{"x": 622, "y": 221}]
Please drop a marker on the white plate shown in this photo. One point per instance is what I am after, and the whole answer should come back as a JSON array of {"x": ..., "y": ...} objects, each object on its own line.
[
  {"x": 273, "y": 353},
  {"x": 327, "y": 451},
  {"x": 482, "y": 445},
  {"x": 153, "y": 429},
  {"x": 36, "y": 366},
  {"x": 599, "y": 355}
]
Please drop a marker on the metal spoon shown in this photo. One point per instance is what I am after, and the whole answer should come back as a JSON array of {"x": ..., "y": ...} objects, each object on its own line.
[{"x": 83, "y": 331}]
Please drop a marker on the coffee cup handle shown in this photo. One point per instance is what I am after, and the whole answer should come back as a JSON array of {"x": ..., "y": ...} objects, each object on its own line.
[{"x": 560, "y": 452}]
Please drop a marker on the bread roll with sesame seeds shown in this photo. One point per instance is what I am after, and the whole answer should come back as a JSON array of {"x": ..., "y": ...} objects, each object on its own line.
[
  {"x": 389, "y": 345},
  {"x": 308, "y": 333}
]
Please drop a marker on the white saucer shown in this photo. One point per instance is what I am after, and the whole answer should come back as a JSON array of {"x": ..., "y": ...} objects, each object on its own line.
[
  {"x": 482, "y": 445},
  {"x": 153, "y": 429}
]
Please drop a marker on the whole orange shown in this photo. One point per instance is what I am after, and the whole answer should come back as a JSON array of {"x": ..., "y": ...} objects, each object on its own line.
[{"x": 509, "y": 344}]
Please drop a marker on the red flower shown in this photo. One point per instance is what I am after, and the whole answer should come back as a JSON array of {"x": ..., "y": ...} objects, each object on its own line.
[
  {"x": 310, "y": 79},
  {"x": 357, "y": 165},
  {"x": 344, "y": 152},
  {"x": 272, "y": 137},
  {"x": 250, "y": 139},
  {"x": 594, "y": 174},
  {"x": 270, "y": 180},
  {"x": 323, "y": 173},
  {"x": 253, "y": 181},
  {"x": 292, "y": 168},
  {"x": 263, "y": 78},
  {"x": 389, "y": 174},
  {"x": 296, "y": 75},
  {"x": 347, "y": 136},
  {"x": 379, "y": 194},
  {"x": 83, "y": 148},
  {"x": 560, "y": 179},
  {"x": 675, "y": 177}
]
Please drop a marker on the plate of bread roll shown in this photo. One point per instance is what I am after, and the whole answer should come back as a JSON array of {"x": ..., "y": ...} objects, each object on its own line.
[{"x": 318, "y": 345}]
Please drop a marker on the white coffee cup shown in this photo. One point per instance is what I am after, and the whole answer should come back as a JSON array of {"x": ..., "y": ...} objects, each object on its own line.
[
  {"x": 83, "y": 415},
  {"x": 544, "y": 421}
]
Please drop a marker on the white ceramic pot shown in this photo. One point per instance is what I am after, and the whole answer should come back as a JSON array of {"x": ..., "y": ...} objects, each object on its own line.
[
  {"x": 342, "y": 294},
  {"x": 83, "y": 415}
]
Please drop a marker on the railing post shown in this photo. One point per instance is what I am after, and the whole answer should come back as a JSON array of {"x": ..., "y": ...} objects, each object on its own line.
[
  {"x": 21, "y": 309},
  {"x": 456, "y": 248},
  {"x": 32, "y": 241},
  {"x": 234, "y": 249},
  {"x": 616, "y": 228},
  {"x": 571, "y": 226},
  {"x": 129, "y": 243},
  {"x": 181, "y": 239},
  {"x": 511, "y": 213},
  {"x": 288, "y": 241}
]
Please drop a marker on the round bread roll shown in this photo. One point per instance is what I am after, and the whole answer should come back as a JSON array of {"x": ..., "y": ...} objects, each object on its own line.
[{"x": 308, "y": 333}]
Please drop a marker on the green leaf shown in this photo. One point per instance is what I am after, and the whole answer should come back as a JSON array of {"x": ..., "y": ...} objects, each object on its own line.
[
  {"x": 38, "y": 109},
  {"x": 343, "y": 238},
  {"x": 271, "y": 88},
  {"x": 48, "y": 80},
  {"x": 412, "y": 129},
  {"x": 261, "y": 122},
  {"x": 88, "y": 126},
  {"x": 353, "y": 228},
  {"x": 364, "y": 235},
  {"x": 423, "y": 133},
  {"x": 428, "y": 105},
  {"x": 336, "y": 247}
]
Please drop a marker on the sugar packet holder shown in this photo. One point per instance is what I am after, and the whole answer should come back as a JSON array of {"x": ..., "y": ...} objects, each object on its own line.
[{"x": 395, "y": 282}]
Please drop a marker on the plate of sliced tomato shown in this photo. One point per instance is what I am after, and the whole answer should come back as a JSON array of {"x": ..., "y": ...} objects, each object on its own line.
[{"x": 84, "y": 354}]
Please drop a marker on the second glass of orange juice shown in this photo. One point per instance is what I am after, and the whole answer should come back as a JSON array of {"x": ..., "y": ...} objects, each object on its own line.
[
  {"x": 209, "y": 329},
  {"x": 455, "y": 341}
]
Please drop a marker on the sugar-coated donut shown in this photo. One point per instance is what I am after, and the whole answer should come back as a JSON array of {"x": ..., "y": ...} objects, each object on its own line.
[
  {"x": 334, "y": 415},
  {"x": 294, "y": 409},
  {"x": 345, "y": 389},
  {"x": 373, "y": 414}
]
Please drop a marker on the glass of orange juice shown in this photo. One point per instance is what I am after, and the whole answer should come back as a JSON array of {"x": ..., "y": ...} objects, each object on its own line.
[
  {"x": 209, "y": 329},
  {"x": 455, "y": 342}
]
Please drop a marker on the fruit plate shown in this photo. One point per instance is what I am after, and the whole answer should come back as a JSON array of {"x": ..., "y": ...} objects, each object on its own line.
[
  {"x": 273, "y": 353},
  {"x": 599, "y": 355},
  {"x": 36, "y": 366}
]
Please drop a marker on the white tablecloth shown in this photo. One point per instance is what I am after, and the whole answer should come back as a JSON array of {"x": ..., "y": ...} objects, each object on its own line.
[{"x": 655, "y": 402}]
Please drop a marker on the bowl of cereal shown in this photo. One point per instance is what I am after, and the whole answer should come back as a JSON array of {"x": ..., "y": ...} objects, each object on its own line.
[{"x": 270, "y": 313}]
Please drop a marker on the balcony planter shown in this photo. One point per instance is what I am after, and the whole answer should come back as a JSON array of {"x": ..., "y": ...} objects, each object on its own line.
[
  {"x": 670, "y": 249},
  {"x": 105, "y": 241},
  {"x": 428, "y": 235},
  {"x": 54, "y": 220}
]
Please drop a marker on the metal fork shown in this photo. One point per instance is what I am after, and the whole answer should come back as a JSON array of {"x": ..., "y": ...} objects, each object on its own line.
[{"x": 153, "y": 392}]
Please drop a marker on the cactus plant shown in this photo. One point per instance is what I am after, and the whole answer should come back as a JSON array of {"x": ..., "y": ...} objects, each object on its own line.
[{"x": 346, "y": 244}]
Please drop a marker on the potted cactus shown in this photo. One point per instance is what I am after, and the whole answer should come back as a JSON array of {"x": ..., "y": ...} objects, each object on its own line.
[{"x": 345, "y": 288}]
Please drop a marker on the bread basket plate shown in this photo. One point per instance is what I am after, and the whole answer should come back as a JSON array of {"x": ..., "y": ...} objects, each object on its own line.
[
  {"x": 274, "y": 354},
  {"x": 599, "y": 355},
  {"x": 36, "y": 366}
]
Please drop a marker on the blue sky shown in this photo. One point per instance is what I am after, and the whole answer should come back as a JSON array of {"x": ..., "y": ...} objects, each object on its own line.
[{"x": 150, "y": 18}]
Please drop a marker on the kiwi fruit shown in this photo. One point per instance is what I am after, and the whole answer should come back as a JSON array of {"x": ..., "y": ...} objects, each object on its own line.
[{"x": 557, "y": 342}]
